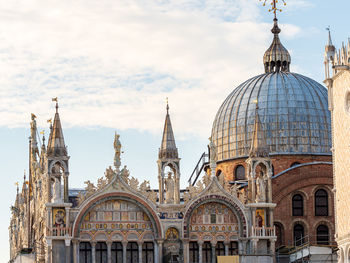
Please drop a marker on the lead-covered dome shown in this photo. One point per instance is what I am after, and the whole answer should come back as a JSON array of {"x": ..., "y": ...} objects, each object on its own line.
[{"x": 293, "y": 111}]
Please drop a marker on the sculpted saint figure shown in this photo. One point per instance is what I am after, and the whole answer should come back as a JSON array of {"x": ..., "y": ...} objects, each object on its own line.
[
  {"x": 260, "y": 188},
  {"x": 117, "y": 149},
  {"x": 169, "y": 188},
  {"x": 212, "y": 152},
  {"x": 56, "y": 193}
]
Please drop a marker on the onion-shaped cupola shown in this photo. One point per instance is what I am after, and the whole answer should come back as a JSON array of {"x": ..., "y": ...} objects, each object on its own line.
[{"x": 276, "y": 57}]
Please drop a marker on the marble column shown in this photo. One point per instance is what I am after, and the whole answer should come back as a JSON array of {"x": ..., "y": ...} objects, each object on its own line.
[
  {"x": 109, "y": 251},
  {"x": 200, "y": 253},
  {"x": 124, "y": 243},
  {"x": 227, "y": 243},
  {"x": 68, "y": 248},
  {"x": 93, "y": 252},
  {"x": 186, "y": 251},
  {"x": 140, "y": 251},
  {"x": 75, "y": 251},
  {"x": 156, "y": 255},
  {"x": 160, "y": 250},
  {"x": 213, "y": 254}
]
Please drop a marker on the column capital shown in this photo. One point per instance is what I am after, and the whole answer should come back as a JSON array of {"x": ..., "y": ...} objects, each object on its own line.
[
  {"x": 109, "y": 243},
  {"x": 140, "y": 243},
  {"x": 227, "y": 242},
  {"x": 200, "y": 242},
  {"x": 160, "y": 241},
  {"x": 213, "y": 242},
  {"x": 124, "y": 243},
  {"x": 93, "y": 243},
  {"x": 75, "y": 241}
]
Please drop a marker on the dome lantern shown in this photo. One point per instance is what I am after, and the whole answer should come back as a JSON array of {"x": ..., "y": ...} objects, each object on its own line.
[{"x": 276, "y": 57}]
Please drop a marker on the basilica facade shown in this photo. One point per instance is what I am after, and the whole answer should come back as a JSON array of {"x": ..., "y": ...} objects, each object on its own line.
[{"x": 266, "y": 189}]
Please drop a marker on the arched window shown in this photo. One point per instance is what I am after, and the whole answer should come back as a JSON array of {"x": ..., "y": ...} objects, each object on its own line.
[
  {"x": 206, "y": 252},
  {"x": 218, "y": 172},
  {"x": 220, "y": 249},
  {"x": 279, "y": 234},
  {"x": 298, "y": 232},
  {"x": 194, "y": 252},
  {"x": 322, "y": 235},
  {"x": 321, "y": 203},
  {"x": 148, "y": 252},
  {"x": 233, "y": 249},
  {"x": 239, "y": 173},
  {"x": 132, "y": 252},
  {"x": 85, "y": 252},
  {"x": 294, "y": 164},
  {"x": 101, "y": 252},
  {"x": 297, "y": 205},
  {"x": 117, "y": 252}
]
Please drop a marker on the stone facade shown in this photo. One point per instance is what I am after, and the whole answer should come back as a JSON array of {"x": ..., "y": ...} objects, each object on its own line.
[
  {"x": 338, "y": 85},
  {"x": 122, "y": 220}
]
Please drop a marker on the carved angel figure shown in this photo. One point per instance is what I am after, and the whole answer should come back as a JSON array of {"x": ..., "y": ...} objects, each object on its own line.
[{"x": 145, "y": 186}]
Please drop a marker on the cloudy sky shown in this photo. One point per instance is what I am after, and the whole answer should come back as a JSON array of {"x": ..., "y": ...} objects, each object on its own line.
[{"x": 112, "y": 63}]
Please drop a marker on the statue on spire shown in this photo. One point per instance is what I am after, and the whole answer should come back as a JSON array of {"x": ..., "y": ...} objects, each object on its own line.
[{"x": 117, "y": 149}]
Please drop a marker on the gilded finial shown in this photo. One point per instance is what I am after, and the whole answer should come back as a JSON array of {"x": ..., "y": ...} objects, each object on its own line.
[
  {"x": 56, "y": 99},
  {"x": 274, "y": 5}
]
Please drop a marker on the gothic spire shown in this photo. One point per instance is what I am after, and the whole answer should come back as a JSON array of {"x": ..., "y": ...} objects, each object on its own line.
[
  {"x": 168, "y": 147},
  {"x": 258, "y": 147},
  {"x": 56, "y": 144},
  {"x": 276, "y": 57}
]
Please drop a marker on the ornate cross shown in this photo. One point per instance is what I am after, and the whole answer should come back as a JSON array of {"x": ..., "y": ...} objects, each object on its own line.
[{"x": 274, "y": 5}]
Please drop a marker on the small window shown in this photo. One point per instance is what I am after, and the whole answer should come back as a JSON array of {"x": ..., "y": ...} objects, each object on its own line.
[
  {"x": 213, "y": 218},
  {"x": 321, "y": 203},
  {"x": 322, "y": 235},
  {"x": 239, "y": 173},
  {"x": 233, "y": 249},
  {"x": 298, "y": 205},
  {"x": 298, "y": 232}
]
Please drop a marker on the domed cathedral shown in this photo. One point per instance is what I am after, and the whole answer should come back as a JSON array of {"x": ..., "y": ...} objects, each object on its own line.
[
  {"x": 290, "y": 111},
  {"x": 122, "y": 220}
]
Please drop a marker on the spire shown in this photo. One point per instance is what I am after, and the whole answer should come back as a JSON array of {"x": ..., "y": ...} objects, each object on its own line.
[
  {"x": 168, "y": 147},
  {"x": 276, "y": 57},
  {"x": 258, "y": 147},
  {"x": 56, "y": 144}
]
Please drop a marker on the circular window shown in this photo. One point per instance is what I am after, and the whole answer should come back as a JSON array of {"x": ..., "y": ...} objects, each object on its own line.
[{"x": 347, "y": 102}]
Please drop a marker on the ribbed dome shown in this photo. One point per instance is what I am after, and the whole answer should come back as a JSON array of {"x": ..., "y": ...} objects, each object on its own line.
[{"x": 293, "y": 110}]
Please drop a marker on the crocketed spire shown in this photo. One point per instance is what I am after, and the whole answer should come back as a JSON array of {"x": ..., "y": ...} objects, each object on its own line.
[
  {"x": 168, "y": 147},
  {"x": 56, "y": 146},
  {"x": 276, "y": 57},
  {"x": 258, "y": 147}
]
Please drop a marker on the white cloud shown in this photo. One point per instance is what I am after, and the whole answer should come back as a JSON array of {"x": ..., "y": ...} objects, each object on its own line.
[{"x": 112, "y": 63}]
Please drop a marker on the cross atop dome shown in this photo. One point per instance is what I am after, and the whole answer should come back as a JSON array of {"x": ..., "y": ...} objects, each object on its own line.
[{"x": 276, "y": 57}]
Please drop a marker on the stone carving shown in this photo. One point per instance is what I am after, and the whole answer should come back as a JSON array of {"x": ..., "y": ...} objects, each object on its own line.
[
  {"x": 260, "y": 188},
  {"x": 117, "y": 149},
  {"x": 169, "y": 188},
  {"x": 125, "y": 174},
  {"x": 56, "y": 191},
  {"x": 101, "y": 183},
  {"x": 212, "y": 152},
  {"x": 206, "y": 180},
  {"x": 109, "y": 174},
  {"x": 134, "y": 183}
]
